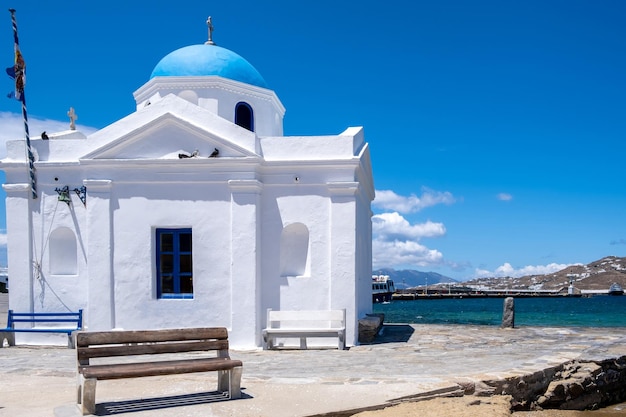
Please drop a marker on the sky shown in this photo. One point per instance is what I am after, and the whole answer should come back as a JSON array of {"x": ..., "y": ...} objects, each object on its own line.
[{"x": 496, "y": 128}]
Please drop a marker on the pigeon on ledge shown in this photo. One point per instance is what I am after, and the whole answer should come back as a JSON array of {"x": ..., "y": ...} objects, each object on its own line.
[{"x": 189, "y": 155}]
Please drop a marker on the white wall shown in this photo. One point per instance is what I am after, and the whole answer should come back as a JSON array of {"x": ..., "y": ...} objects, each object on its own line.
[{"x": 237, "y": 206}]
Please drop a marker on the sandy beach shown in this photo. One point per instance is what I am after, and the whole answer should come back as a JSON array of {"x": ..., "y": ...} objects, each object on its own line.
[{"x": 470, "y": 406}]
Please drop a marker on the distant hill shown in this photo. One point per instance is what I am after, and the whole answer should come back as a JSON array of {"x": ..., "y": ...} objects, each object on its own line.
[
  {"x": 407, "y": 278},
  {"x": 598, "y": 275}
]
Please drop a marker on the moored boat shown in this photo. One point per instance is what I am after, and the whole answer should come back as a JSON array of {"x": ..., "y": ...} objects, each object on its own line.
[
  {"x": 616, "y": 289},
  {"x": 382, "y": 288}
]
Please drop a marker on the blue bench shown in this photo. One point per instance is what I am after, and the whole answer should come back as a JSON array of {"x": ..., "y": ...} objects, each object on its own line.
[{"x": 35, "y": 319}]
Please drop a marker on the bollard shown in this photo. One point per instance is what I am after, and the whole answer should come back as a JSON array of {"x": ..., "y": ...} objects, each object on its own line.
[{"x": 508, "y": 314}]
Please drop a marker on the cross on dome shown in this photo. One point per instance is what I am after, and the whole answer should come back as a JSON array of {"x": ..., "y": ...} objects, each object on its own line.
[
  {"x": 73, "y": 117},
  {"x": 209, "y": 23},
  {"x": 200, "y": 61}
]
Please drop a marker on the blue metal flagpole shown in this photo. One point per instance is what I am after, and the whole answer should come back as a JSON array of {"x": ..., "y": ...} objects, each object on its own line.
[{"x": 20, "y": 94}]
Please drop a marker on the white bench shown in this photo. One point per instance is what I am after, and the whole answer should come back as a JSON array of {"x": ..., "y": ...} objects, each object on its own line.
[{"x": 305, "y": 323}]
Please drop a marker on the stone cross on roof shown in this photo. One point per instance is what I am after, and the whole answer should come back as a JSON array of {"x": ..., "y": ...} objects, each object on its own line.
[
  {"x": 209, "y": 23},
  {"x": 73, "y": 117}
]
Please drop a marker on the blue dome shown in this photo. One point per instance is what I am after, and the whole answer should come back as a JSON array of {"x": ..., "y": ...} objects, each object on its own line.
[{"x": 202, "y": 60}]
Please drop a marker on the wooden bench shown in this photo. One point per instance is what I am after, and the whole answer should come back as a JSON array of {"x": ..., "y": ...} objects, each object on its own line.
[
  {"x": 108, "y": 347},
  {"x": 36, "y": 319},
  {"x": 304, "y": 323}
]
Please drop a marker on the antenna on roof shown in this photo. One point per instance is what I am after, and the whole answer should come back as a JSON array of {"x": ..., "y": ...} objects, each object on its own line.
[{"x": 209, "y": 23}]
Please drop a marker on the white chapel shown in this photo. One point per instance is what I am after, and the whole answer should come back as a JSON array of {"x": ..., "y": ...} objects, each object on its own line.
[{"x": 192, "y": 211}]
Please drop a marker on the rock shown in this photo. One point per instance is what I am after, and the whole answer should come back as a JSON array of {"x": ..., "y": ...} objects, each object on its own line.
[
  {"x": 586, "y": 386},
  {"x": 483, "y": 390},
  {"x": 468, "y": 386},
  {"x": 575, "y": 390},
  {"x": 508, "y": 313},
  {"x": 574, "y": 385},
  {"x": 369, "y": 326}
]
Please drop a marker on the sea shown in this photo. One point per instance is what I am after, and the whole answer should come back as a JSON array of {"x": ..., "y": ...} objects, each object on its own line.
[{"x": 595, "y": 311}]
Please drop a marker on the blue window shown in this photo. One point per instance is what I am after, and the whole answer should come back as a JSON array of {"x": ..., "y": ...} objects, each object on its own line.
[
  {"x": 174, "y": 263},
  {"x": 244, "y": 116}
]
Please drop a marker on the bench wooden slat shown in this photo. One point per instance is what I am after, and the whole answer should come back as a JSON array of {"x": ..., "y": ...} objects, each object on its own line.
[
  {"x": 134, "y": 370},
  {"x": 145, "y": 336},
  {"x": 149, "y": 349}
]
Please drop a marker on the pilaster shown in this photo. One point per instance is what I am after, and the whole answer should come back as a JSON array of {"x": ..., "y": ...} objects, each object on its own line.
[
  {"x": 245, "y": 262},
  {"x": 343, "y": 257},
  {"x": 19, "y": 212},
  {"x": 101, "y": 303}
]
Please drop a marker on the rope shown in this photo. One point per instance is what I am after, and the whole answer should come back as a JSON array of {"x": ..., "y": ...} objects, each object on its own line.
[{"x": 37, "y": 263}]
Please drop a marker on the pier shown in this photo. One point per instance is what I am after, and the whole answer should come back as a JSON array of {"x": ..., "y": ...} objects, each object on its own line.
[{"x": 438, "y": 294}]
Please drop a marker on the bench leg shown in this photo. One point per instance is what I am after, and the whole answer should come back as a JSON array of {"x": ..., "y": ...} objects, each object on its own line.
[
  {"x": 303, "y": 343},
  {"x": 342, "y": 340},
  {"x": 70, "y": 341},
  {"x": 9, "y": 336},
  {"x": 235, "y": 382},
  {"x": 230, "y": 381},
  {"x": 79, "y": 389},
  {"x": 87, "y": 395},
  {"x": 222, "y": 381},
  {"x": 267, "y": 341}
]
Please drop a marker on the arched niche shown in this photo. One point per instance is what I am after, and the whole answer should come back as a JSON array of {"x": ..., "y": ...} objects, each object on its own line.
[
  {"x": 63, "y": 252},
  {"x": 294, "y": 250}
]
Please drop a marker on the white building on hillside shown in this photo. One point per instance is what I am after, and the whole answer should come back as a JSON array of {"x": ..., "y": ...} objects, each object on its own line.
[{"x": 192, "y": 211}]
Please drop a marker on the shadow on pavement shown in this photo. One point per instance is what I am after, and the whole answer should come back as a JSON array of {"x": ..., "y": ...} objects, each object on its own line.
[
  {"x": 145, "y": 404},
  {"x": 393, "y": 333}
]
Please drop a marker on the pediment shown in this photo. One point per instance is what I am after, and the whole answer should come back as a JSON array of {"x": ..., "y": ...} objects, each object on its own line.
[{"x": 168, "y": 135}]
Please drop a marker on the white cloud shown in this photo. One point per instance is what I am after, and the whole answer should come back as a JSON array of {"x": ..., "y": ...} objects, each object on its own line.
[
  {"x": 388, "y": 200},
  {"x": 3, "y": 239},
  {"x": 12, "y": 128},
  {"x": 507, "y": 270},
  {"x": 398, "y": 253},
  {"x": 504, "y": 197},
  {"x": 391, "y": 226},
  {"x": 396, "y": 241}
]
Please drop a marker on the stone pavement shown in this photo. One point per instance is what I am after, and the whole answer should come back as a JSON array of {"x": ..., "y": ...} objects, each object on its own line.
[{"x": 405, "y": 360}]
